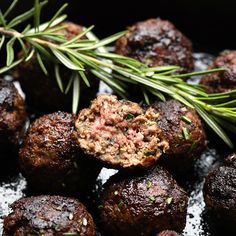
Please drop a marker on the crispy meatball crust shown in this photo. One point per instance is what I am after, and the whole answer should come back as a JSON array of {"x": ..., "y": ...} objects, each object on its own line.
[
  {"x": 42, "y": 92},
  {"x": 157, "y": 42},
  {"x": 119, "y": 133},
  {"x": 183, "y": 129},
  {"x": 50, "y": 155},
  {"x": 144, "y": 204},
  {"x": 222, "y": 81},
  {"x": 12, "y": 115},
  {"x": 48, "y": 216},
  {"x": 220, "y": 195}
]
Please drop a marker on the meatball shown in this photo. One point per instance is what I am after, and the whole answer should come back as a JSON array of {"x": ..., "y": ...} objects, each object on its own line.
[
  {"x": 157, "y": 42},
  {"x": 142, "y": 204},
  {"x": 42, "y": 92},
  {"x": 168, "y": 233},
  {"x": 184, "y": 131},
  {"x": 50, "y": 155},
  {"x": 12, "y": 115},
  {"x": 119, "y": 133},
  {"x": 48, "y": 216},
  {"x": 220, "y": 195},
  {"x": 223, "y": 81}
]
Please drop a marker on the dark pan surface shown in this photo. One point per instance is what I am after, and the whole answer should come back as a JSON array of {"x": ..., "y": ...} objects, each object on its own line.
[{"x": 13, "y": 185}]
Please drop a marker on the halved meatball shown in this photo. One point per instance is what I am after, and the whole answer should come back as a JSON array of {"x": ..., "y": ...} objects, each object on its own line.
[
  {"x": 183, "y": 130},
  {"x": 222, "y": 81},
  {"x": 120, "y": 133},
  {"x": 42, "y": 92},
  {"x": 220, "y": 195},
  {"x": 12, "y": 115},
  {"x": 145, "y": 203},
  {"x": 48, "y": 216},
  {"x": 50, "y": 159},
  {"x": 157, "y": 42}
]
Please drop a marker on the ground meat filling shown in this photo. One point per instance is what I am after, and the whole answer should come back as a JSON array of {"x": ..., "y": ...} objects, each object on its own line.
[{"x": 120, "y": 132}]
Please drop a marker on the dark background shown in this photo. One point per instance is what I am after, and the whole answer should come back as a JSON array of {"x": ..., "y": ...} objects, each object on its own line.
[{"x": 209, "y": 23}]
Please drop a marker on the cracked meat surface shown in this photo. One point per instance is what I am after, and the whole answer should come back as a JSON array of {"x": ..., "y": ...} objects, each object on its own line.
[
  {"x": 48, "y": 216},
  {"x": 157, "y": 42},
  {"x": 50, "y": 155},
  {"x": 145, "y": 203}
]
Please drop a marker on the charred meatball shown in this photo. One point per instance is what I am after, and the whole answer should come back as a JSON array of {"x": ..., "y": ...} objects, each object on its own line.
[
  {"x": 144, "y": 204},
  {"x": 50, "y": 160},
  {"x": 183, "y": 130},
  {"x": 119, "y": 133},
  {"x": 223, "y": 81},
  {"x": 157, "y": 42},
  {"x": 168, "y": 233},
  {"x": 220, "y": 194},
  {"x": 48, "y": 216},
  {"x": 12, "y": 115},
  {"x": 42, "y": 92}
]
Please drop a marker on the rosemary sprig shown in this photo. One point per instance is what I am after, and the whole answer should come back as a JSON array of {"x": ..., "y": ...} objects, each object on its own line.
[{"x": 79, "y": 55}]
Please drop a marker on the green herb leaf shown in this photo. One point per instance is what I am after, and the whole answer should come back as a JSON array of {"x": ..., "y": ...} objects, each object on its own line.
[
  {"x": 2, "y": 19},
  {"x": 185, "y": 133},
  {"x": 57, "y": 14},
  {"x": 10, "y": 52},
  {"x": 58, "y": 77},
  {"x": 2, "y": 41},
  {"x": 76, "y": 93},
  {"x": 186, "y": 119},
  {"x": 149, "y": 184},
  {"x": 6, "y": 68},
  {"x": 40, "y": 61},
  {"x": 120, "y": 204},
  {"x": 65, "y": 60},
  {"x": 10, "y": 8},
  {"x": 25, "y": 16},
  {"x": 37, "y": 10},
  {"x": 207, "y": 118}
]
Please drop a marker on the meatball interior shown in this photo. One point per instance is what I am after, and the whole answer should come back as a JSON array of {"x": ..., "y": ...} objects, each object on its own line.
[
  {"x": 48, "y": 216},
  {"x": 120, "y": 132}
]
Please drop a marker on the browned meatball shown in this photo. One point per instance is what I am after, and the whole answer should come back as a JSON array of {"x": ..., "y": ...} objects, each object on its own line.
[
  {"x": 222, "y": 81},
  {"x": 220, "y": 195},
  {"x": 157, "y": 42},
  {"x": 50, "y": 160},
  {"x": 42, "y": 92},
  {"x": 12, "y": 115},
  {"x": 184, "y": 131},
  {"x": 48, "y": 216},
  {"x": 168, "y": 233},
  {"x": 119, "y": 133},
  {"x": 144, "y": 204}
]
